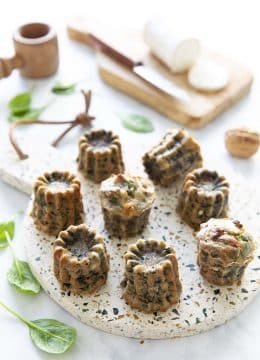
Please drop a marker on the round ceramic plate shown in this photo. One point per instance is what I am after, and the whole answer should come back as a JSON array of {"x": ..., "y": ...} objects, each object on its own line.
[{"x": 202, "y": 306}]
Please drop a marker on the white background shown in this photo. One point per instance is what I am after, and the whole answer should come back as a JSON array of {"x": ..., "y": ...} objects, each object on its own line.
[{"x": 233, "y": 27}]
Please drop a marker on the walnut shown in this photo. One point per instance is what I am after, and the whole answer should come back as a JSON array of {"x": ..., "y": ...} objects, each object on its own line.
[{"x": 242, "y": 142}]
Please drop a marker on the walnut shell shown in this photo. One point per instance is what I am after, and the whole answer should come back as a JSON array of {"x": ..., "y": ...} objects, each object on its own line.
[{"x": 242, "y": 142}]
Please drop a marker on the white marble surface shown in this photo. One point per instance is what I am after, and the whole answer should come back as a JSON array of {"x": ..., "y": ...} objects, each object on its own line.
[{"x": 231, "y": 26}]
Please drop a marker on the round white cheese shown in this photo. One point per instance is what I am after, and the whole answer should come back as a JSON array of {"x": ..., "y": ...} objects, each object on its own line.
[{"x": 207, "y": 75}]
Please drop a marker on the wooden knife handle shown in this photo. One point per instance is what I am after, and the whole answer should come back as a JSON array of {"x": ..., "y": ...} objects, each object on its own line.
[
  {"x": 116, "y": 55},
  {"x": 8, "y": 65},
  {"x": 92, "y": 37}
]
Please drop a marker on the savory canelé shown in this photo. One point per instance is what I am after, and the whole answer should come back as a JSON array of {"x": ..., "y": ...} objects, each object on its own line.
[
  {"x": 81, "y": 261},
  {"x": 151, "y": 279},
  {"x": 57, "y": 202},
  {"x": 126, "y": 202},
  {"x": 204, "y": 195},
  {"x": 224, "y": 250},
  {"x": 176, "y": 154},
  {"x": 100, "y": 155}
]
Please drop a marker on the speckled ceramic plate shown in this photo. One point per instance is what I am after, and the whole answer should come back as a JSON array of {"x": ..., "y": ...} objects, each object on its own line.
[{"x": 202, "y": 305}]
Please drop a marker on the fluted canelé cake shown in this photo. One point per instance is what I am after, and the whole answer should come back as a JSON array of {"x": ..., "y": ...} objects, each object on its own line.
[
  {"x": 126, "y": 202},
  {"x": 151, "y": 279},
  {"x": 204, "y": 195},
  {"x": 100, "y": 155},
  {"x": 81, "y": 261},
  {"x": 224, "y": 250},
  {"x": 57, "y": 202},
  {"x": 175, "y": 155}
]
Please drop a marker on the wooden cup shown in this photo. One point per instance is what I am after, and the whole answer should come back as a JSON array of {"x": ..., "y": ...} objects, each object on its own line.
[{"x": 36, "y": 52}]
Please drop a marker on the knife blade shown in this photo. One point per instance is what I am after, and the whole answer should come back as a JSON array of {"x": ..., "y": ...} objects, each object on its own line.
[
  {"x": 154, "y": 78},
  {"x": 140, "y": 69}
]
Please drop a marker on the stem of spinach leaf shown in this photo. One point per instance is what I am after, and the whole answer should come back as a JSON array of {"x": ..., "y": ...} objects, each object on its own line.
[
  {"x": 8, "y": 239},
  {"x": 15, "y": 314},
  {"x": 29, "y": 323}
]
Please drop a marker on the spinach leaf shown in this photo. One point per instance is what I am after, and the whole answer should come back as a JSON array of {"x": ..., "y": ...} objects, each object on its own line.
[
  {"x": 6, "y": 227},
  {"x": 20, "y": 103},
  {"x": 20, "y": 275},
  {"x": 137, "y": 123},
  {"x": 31, "y": 114},
  {"x": 51, "y": 336},
  {"x": 114, "y": 201},
  {"x": 63, "y": 89},
  {"x": 20, "y": 108}
]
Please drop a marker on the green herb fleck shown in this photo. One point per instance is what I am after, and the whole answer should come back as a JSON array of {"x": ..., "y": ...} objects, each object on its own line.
[
  {"x": 243, "y": 237},
  {"x": 6, "y": 227},
  {"x": 114, "y": 201},
  {"x": 132, "y": 187},
  {"x": 137, "y": 123},
  {"x": 63, "y": 89},
  {"x": 51, "y": 336}
]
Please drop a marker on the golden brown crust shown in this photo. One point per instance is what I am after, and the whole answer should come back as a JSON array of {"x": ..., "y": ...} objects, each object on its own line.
[
  {"x": 175, "y": 155},
  {"x": 57, "y": 202},
  {"x": 126, "y": 202},
  {"x": 204, "y": 195},
  {"x": 122, "y": 227},
  {"x": 81, "y": 261},
  {"x": 224, "y": 251},
  {"x": 151, "y": 279},
  {"x": 100, "y": 155}
]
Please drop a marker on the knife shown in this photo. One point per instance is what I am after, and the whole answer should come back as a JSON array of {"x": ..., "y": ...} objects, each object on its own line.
[{"x": 141, "y": 70}]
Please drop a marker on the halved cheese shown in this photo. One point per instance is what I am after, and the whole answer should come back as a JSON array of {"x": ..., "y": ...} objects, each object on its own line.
[
  {"x": 207, "y": 75},
  {"x": 176, "y": 51}
]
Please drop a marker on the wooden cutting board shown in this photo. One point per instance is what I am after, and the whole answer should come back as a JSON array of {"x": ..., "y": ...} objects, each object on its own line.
[{"x": 198, "y": 110}]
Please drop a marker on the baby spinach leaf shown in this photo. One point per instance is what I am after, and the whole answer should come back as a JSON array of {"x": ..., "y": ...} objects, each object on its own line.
[
  {"x": 137, "y": 123},
  {"x": 20, "y": 108},
  {"x": 63, "y": 89},
  {"x": 31, "y": 114},
  {"x": 20, "y": 103},
  {"x": 20, "y": 275},
  {"x": 51, "y": 336},
  {"x": 6, "y": 227}
]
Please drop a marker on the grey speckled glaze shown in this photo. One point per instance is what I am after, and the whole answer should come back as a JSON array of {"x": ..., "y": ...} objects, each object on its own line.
[{"x": 202, "y": 305}]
